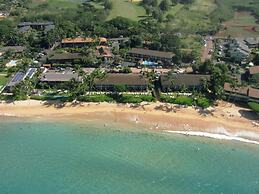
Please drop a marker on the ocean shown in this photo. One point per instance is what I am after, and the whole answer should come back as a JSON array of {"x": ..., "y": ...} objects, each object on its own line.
[{"x": 45, "y": 157}]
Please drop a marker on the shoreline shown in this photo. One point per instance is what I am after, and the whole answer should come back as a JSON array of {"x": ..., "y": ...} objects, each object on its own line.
[
  {"x": 225, "y": 122},
  {"x": 216, "y": 136}
]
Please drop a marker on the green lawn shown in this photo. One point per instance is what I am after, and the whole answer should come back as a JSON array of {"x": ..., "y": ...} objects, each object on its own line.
[
  {"x": 3, "y": 80},
  {"x": 194, "y": 17},
  {"x": 126, "y": 9},
  {"x": 52, "y": 6},
  {"x": 175, "y": 9},
  {"x": 56, "y": 3}
]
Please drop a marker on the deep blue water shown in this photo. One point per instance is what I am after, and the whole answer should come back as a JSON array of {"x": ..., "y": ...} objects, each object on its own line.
[{"x": 51, "y": 157}]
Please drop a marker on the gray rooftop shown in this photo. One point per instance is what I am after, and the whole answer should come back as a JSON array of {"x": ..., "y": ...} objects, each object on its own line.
[
  {"x": 118, "y": 39},
  {"x": 57, "y": 76},
  {"x": 119, "y": 78},
  {"x": 20, "y": 76},
  {"x": 183, "y": 79},
  {"x": 65, "y": 56},
  {"x": 151, "y": 53},
  {"x": 35, "y": 24},
  {"x": 16, "y": 49},
  {"x": 252, "y": 40},
  {"x": 242, "y": 45}
]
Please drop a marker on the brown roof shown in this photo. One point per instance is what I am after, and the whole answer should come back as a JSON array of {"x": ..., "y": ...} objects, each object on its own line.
[
  {"x": 183, "y": 79},
  {"x": 152, "y": 53},
  {"x": 83, "y": 40},
  {"x": 54, "y": 76},
  {"x": 253, "y": 93},
  {"x": 254, "y": 70},
  {"x": 238, "y": 90},
  {"x": 65, "y": 56},
  {"x": 127, "y": 79}
]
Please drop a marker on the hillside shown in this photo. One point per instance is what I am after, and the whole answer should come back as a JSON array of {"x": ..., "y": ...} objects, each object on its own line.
[{"x": 198, "y": 17}]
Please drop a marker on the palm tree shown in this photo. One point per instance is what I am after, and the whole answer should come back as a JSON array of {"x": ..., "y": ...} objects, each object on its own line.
[
  {"x": 24, "y": 64},
  {"x": 233, "y": 86}
]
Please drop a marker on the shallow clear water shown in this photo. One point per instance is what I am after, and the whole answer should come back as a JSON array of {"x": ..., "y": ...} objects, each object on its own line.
[{"x": 51, "y": 157}]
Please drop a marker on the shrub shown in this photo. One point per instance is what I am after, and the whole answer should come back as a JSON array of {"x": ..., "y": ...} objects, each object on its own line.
[
  {"x": 147, "y": 98},
  {"x": 184, "y": 100},
  {"x": 96, "y": 98},
  {"x": 203, "y": 102},
  {"x": 51, "y": 97},
  {"x": 167, "y": 99},
  {"x": 254, "y": 106}
]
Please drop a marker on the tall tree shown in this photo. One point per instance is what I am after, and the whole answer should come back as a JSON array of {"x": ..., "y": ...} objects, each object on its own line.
[{"x": 164, "y": 5}]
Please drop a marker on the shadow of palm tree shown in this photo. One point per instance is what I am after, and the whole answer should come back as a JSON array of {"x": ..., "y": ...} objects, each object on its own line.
[
  {"x": 166, "y": 108},
  {"x": 248, "y": 114},
  {"x": 76, "y": 103},
  {"x": 55, "y": 104},
  {"x": 134, "y": 106},
  {"x": 204, "y": 112}
]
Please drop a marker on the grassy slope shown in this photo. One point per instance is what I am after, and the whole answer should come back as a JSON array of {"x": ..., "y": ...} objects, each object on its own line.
[
  {"x": 242, "y": 25},
  {"x": 190, "y": 18},
  {"x": 126, "y": 9},
  {"x": 54, "y": 6}
]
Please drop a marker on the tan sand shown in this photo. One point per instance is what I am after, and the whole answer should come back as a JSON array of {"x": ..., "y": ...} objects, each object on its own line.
[{"x": 225, "y": 118}]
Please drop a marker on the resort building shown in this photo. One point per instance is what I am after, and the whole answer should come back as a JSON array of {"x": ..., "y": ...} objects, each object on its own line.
[
  {"x": 241, "y": 94},
  {"x": 176, "y": 82},
  {"x": 236, "y": 94},
  {"x": 56, "y": 77},
  {"x": 238, "y": 50},
  {"x": 19, "y": 77},
  {"x": 254, "y": 70},
  {"x": 252, "y": 42},
  {"x": 132, "y": 82},
  {"x": 13, "y": 49},
  {"x": 62, "y": 58},
  {"x": 26, "y": 26},
  {"x": 253, "y": 94},
  {"x": 119, "y": 40},
  {"x": 82, "y": 42},
  {"x": 137, "y": 54}
]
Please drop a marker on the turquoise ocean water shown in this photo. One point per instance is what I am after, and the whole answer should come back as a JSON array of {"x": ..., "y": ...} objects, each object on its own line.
[{"x": 39, "y": 157}]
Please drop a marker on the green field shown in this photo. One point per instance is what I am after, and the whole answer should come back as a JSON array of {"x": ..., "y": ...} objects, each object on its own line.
[
  {"x": 3, "y": 80},
  {"x": 198, "y": 17},
  {"x": 56, "y": 3},
  {"x": 52, "y": 6},
  {"x": 242, "y": 25},
  {"x": 193, "y": 18},
  {"x": 126, "y": 9}
]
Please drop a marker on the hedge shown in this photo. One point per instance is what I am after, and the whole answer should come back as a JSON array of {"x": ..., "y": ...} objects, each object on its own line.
[
  {"x": 186, "y": 100},
  {"x": 96, "y": 98},
  {"x": 203, "y": 102},
  {"x": 50, "y": 97},
  {"x": 254, "y": 106}
]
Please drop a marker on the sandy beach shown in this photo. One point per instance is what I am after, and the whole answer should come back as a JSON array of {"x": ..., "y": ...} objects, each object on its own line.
[{"x": 226, "y": 120}]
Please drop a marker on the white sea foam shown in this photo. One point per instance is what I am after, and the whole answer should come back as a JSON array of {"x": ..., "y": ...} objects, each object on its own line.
[
  {"x": 7, "y": 115},
  {"x": 222, "y": 136}
]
